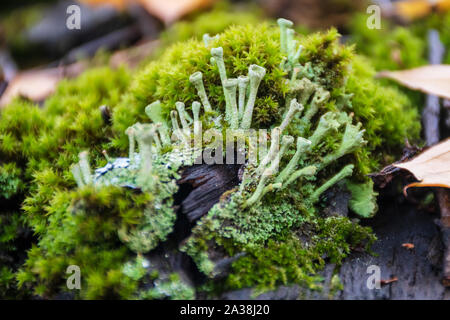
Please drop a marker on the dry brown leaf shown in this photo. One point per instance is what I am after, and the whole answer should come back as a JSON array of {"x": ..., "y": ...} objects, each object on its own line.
[
  {"x": 167, "y": 10},
  {"x": 431, "y": 167},
  {"x": 36, "y": 85},
  {"x": 33, "y": 85},
  {"x": 432, "y": 79},
  {"x": 414, "y": 9},
  {"x": 119, "y": 4},
  {"x": 171, "y": 10}
]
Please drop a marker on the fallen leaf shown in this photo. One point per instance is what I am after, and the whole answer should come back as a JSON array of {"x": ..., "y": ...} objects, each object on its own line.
[
  {"x": 167, "y": 10},
  {"x": 384, "y": 282},
  {"x": 387, "y": 174},
  {"x": 119, "y": 4},
  {"x": 36, "y": 85},
  {"x": 431, "y": 79},
  {"x": 431, "y": 167},
  {"x": 408, "y": 246},
  {"x": 171, "y": 10},
  {"x": 33, "y": 85},
  {"x": 414, "y": 9}
]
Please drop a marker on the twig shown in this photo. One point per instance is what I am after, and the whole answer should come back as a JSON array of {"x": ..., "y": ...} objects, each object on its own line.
[
  {"x": 447, "y": 107},
  {"x": 431, "y": 120}
]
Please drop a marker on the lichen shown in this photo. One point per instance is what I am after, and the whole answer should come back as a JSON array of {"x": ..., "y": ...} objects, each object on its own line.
[
  {"x": 245, "y": 217},
  {"x": 313, "y": 101}
]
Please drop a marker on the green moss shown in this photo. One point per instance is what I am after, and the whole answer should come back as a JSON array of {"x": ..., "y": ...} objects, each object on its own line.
[
  {"x": 397, "y": 47},
  {"x": 10, "y": 180},
  {"x": 82, "y": 230},
  {"x": 389, "y": 48},
  {"x": 167, "y": 79},
  {"x": 291, "y": 261},
  {"x": 172, "y": 288},
  {"x": 222, "y": 16},
  {"x": 83, "y": 226},
  {"x": 43, "y": 143},
  {"x": 376, "y": 106}
]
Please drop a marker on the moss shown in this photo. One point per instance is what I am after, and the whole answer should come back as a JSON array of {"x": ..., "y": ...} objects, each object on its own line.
[
  {"x": 83, "y": 226},
  {"x": 397, "y": 47},
  {"x": 42, "y": 143},
  {"x": 215, "y": 21},
  {"x": 289, "y": 260},
  {"x": 389, "y": 48},
  {"x": 375, "y": 105},
  {"x": 162, "y": 79},
  {"x": 82, "y": 230},
  {"x": 10, "y": 180},
  {"x": 173, "y": 289}
]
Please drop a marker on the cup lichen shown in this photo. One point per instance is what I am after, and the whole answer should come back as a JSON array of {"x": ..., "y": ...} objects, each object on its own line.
[{"x": 304, "y": 95}]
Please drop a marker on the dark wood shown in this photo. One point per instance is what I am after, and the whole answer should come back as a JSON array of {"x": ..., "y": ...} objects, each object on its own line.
[
  {"x": 431, "y": 126},
  {"x": 443, "y": 196},
  {"x": 419, "y": 270},
  {"x": 202, "y": 186}
]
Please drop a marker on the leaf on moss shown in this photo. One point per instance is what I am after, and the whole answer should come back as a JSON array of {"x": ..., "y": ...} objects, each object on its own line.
[
  {"x": 432, "y": 79},
  {"x": 431, "y": 167},
  {"x": 364, "y": 199},
  {"x": 414, "y": 9}
]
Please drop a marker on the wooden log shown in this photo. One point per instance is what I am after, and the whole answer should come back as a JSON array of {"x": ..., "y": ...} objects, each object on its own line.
[{"x": 201, "y": 186}]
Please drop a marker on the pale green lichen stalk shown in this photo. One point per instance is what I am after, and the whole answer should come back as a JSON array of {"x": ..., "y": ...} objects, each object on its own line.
[{"x": 226, "y": 219}]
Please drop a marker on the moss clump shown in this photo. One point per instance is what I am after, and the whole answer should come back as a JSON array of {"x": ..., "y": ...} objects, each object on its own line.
[
  {"x": 172, "y": 288},
  {"x": 389, "y": 48},
  {"x": 10, "y": 182},
  {"x": 82, "y": 230},
  {"x": 375, "y": 106},
  {"x": 222, "y": 16},
  {"x": 83, "y": 226},
  {"x": 289, "y": 260},
  {"x": 239, "y": 224},
  {"x": 167, "y": 80},
  {"x": 37, "y": 148}
]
